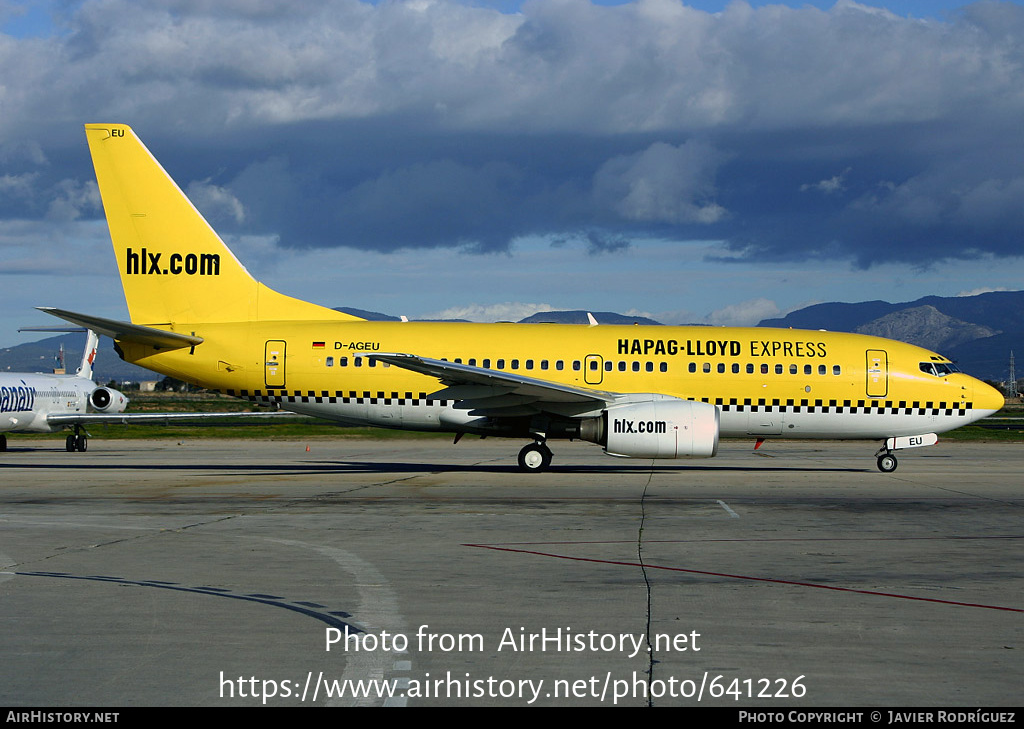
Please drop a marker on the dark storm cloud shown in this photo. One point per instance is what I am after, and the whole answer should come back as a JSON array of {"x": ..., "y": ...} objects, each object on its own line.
[{"x": 787, "y": 133}]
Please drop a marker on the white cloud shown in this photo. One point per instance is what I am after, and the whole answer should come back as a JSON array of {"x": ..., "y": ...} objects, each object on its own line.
[
  {"x": 983, "y": 290},
  {"x": 829, "y": 186},
  {"x": 646, "y": 66},
  {"x": 507, "y": 311},
  {"x": 215, "y": 201},
  {"x": 663, "y": 183},
  {"x": 744, "y": 314}
]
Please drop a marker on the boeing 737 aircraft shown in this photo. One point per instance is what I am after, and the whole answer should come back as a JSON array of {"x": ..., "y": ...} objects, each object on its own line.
[{"x": 638, "y": 391}]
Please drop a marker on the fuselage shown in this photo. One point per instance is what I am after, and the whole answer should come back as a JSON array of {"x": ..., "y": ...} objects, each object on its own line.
[
  {"x": 765, "y": 382},
  {"x": 27, "y": 399}
]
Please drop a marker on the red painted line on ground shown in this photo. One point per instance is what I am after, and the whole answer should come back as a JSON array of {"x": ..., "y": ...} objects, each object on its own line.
[{"x": 745, "y": 577}]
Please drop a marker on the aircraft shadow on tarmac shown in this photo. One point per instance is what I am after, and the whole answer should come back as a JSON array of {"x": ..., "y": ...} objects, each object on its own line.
[
  {"x": 332, "y": 618},
  {"x": 344, "y": 466}
]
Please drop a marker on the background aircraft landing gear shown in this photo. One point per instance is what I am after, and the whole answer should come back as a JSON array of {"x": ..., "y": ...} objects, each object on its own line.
[
  {"x": 3, "y": 442},
  {"x": 79, "y": 441},
  {"x": 535, "y": 457},
  {"x": 887, "y": 463}
]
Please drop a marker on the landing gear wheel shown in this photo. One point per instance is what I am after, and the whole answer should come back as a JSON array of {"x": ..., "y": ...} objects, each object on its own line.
[
  {"x": 3, "y": 442},
  {"x": 81, "y": 443},
  {"x": 887, "y": 463},
  {"x": 535, "y": 458},
  {"x": 69, "y": 444}
]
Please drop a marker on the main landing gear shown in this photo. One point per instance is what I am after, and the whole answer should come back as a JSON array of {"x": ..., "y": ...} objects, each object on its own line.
[
  {"x": 79, "y": 441},
  {"x": 535, "y": 457}
]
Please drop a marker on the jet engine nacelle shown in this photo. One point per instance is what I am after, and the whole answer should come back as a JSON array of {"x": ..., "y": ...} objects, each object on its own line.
[
  {"x": 658, "y": 428},
  {"x": 108, "y": 400}
]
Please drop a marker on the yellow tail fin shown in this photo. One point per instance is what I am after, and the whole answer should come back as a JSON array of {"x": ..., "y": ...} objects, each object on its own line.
[{"x": 174, "y": 267}]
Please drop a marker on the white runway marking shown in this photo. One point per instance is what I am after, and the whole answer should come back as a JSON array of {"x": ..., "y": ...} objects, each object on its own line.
[
  {"x": 377, "y": 610},
  {"x": 725, "y": 506}
]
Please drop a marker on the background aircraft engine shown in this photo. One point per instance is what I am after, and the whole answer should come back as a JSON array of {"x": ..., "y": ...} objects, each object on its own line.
[
  {"x": 107, "y": 400},
  {"x": 660, "y": 428}
]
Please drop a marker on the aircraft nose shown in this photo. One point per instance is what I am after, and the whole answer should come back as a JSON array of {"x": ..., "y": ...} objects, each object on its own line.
[{"x": 987, "y": 397}]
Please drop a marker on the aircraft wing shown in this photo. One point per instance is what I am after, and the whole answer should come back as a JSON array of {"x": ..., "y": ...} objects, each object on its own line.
[
  {"x": 496, "y": 393},
  {"x": 129, "y": 418}
]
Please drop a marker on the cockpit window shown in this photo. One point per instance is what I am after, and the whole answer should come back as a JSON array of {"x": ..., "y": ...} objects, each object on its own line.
[{"x": 939, "y": 369}]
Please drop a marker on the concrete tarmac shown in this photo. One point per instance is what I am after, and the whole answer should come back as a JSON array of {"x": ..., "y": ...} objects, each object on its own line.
[{"x": 216, "y": 573}]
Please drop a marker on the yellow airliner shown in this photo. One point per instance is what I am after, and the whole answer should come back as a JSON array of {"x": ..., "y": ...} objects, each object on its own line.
[{"x": 638, "y": 391}]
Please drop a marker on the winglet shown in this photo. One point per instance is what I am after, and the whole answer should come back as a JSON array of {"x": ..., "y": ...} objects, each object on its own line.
[{"x": 591, "y": 319}]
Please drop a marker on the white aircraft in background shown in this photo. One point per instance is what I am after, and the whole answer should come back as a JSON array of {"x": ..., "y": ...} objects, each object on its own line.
[{"x": 42, "y": 403}]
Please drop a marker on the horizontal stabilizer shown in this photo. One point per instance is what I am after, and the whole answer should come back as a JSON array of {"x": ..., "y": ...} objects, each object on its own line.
[
  {"x": 52, "y": 329},
  {"x": 125, "y": 332}
]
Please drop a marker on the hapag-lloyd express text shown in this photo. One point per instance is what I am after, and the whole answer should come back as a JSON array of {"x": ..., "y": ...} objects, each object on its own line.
[{"x": 722, "y": 348}]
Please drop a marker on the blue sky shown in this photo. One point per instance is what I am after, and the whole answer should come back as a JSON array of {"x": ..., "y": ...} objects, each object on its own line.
[{"x": 704, "y": 162}]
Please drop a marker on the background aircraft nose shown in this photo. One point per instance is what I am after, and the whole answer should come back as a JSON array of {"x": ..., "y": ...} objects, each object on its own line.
[{"x": 987, "y": 397}]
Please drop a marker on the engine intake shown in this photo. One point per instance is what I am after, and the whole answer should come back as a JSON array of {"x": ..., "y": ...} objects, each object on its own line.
[{"x": 108, "y": 400}]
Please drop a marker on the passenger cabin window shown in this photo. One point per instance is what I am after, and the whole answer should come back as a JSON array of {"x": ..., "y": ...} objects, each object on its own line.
[{"x": 330, "y": 361}]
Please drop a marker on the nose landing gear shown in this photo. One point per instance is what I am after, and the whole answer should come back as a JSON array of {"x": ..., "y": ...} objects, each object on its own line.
[
  {"x": 535, "y": 457},
  {"x": 887, "y": 463}
]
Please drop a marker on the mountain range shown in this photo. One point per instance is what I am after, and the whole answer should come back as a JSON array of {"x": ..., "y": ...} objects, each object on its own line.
[{"x": 977, "y": 332}]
